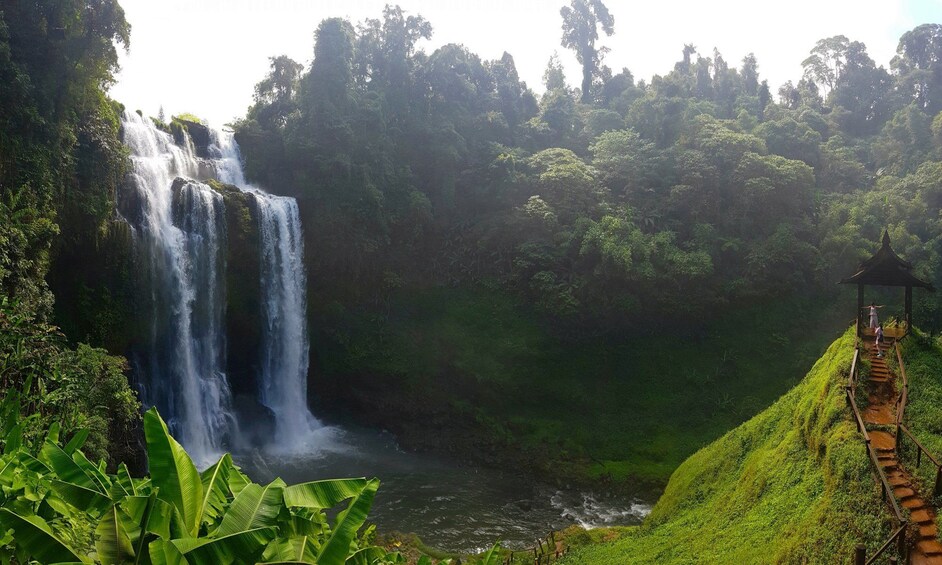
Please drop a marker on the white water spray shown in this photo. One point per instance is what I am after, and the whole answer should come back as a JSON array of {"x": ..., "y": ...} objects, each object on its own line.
[
  {"x": 180, "y": 234},
  {"x": 285, "y": 347}
]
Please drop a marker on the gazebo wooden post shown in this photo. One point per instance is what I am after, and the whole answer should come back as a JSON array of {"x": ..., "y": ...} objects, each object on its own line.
[
  {"x": 860, "y": 306},
  {"x": 909, "y": 309}
]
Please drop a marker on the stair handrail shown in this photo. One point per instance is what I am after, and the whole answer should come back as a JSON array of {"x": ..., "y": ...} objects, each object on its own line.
[
  {"x": 899, "y": 535},
  {"x": 901, "y": 402}
]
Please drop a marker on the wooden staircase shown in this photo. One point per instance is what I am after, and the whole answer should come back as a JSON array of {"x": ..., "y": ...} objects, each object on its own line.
[{"x": 880, "y": 415}]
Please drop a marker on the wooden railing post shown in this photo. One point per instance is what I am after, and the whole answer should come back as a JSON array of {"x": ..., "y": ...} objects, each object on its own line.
[
  {"x": 938, "y": 481},
  {"x": 860, "y": 555}
]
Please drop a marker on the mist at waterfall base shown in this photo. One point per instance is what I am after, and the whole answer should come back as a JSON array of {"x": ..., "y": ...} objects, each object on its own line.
[{"x": 180, "y": 236}]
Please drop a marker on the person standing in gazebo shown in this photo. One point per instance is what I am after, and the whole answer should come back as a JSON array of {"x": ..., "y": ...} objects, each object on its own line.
[{"x": 874, "y": 321}]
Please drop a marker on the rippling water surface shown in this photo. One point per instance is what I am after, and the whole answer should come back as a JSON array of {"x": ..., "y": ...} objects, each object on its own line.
[{"x": 456, "y": 508}]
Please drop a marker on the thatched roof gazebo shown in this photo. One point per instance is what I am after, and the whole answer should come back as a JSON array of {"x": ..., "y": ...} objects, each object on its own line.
[{"x": 886, "y": 268}]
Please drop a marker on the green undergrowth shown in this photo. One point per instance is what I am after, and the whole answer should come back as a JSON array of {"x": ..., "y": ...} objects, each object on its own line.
[
  {"x": 791, "y": 485},
  {"x": 614, "y": 410}
]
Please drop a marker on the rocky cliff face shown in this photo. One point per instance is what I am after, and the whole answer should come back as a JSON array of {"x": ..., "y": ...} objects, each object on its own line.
[{"x": 243, "y": 308}]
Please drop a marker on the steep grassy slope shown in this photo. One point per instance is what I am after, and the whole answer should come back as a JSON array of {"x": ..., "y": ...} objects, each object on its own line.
[
  {"x": 923, "y": 359},
  {"x": 791, "y": 485}
]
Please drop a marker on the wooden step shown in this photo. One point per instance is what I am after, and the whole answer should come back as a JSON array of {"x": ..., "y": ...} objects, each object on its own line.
[
  {"x": 928, "y": 531},
  {"x": 903, "y": 492},
  {"x": 897, "y": 481},
  {"x": 913, "y": 503},
  {"x": 929, "y": 547},
  {"x": 922, "y": 517}
]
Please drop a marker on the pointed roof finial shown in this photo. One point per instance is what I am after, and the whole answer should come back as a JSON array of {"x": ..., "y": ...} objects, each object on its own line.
[{"x": 886, "y": 238}]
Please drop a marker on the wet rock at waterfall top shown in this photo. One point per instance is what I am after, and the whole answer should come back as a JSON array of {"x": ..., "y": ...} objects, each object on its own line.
[{"x": 198, "y": 134}]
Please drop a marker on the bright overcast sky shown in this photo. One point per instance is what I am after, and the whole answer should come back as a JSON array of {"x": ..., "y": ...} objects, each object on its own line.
[{"x": 205, "y": 56}]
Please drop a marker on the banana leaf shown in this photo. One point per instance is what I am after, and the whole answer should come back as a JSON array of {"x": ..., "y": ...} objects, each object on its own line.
[
  {"x": 77, "y": 441},
  {"x": 241, "y": 547},
  {"x": 85, "y": 499},
  {"x": 337, "y": 547},
  {"x": 172, "y": 472},
  {"x": 163, "y": 552},
  {"x": 255, "y": 507},
  {"x": 215, "y": 490},
  {"x": 123, "y": 479},
  {"x": 66, "y": 468},
  {"x": 301, "y": 549},
  {"x": 323, "y": 494},
  {"x": 113, "y": 541},
  {"x": 33, "y": 535}
]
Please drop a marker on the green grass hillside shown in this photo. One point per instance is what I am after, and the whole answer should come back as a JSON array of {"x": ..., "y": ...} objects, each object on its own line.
[
  {"x": 923, "y": 359},
  {"x": 791, "y": 485}
]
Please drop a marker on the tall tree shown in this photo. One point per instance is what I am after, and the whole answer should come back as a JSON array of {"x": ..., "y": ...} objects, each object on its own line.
[
  {"x": 750, "y": 74},
  {"x": 275, "y": 95},
  {"x": 919, "y": 64},
  {"x": 827, "y": 60},
  {"x": 554, "y": 77},
  {"x": 581, "y": 21}
]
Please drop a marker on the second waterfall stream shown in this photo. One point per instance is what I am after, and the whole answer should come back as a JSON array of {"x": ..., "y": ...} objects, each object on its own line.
[{"x": 180, "y": 235}]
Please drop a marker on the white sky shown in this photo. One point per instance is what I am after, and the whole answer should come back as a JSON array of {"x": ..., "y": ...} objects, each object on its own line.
[{"x": 205, "y": 56}]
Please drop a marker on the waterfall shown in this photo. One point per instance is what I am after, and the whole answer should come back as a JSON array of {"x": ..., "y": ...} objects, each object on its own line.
[
  {"x": 179, "y": 229},
  {"x": 285, "y": 345}
]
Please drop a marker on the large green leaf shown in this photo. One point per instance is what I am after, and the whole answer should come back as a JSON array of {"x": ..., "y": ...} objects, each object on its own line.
[
  {"x": 123, "y": 480},
  {"x": 8, "y": 468},
  {"x": 492, "y": 557},
  {"x": 215, "y": 490},
  {"x": 14, "y": 439},
  {"x": 94, "y": 472},
  {"x": 172, "y": 471},
  {"x": 163, "y": 552},
  {"x": 237, "y": 481},
  {"x": 154, "y": 516},
  {"x": 335, "y": 551},
  {"x": 77, "y": 441},
  {"x": 151, "y": 518},
  {"x": 31, "y": 463},
  {"x": 113, "y": 541},
  {"x": 301, "y": 549},
  {"x": 241, "y": 547},
  {"x": 371, "y": 555},
  {"x": 34, "y": 536},
  {"x": 66, "y": 469},
  {"x": 297, "y": 525},
  {"x": 85, "y": 499},
  {"x": 255, "y": 507},
  {"x": 323, "y": 494}
]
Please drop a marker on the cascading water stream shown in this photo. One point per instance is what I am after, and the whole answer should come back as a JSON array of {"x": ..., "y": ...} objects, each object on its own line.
[
  {"x": 285, "y": 346},
  {"x": 180, "y": 234},
  {"x": 180, "y": 230}
]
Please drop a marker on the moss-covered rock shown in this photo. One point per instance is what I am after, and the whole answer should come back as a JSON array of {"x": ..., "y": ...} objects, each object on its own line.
[
  {"x": 198, "y": 133},
  {"x": 243, "y": 289}
]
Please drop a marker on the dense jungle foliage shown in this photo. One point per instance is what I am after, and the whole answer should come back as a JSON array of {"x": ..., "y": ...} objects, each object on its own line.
[
  {"x": 654, "y": 231},
  {"x": 462, "y": 231},
  {"x": 663, "y": 202}
]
